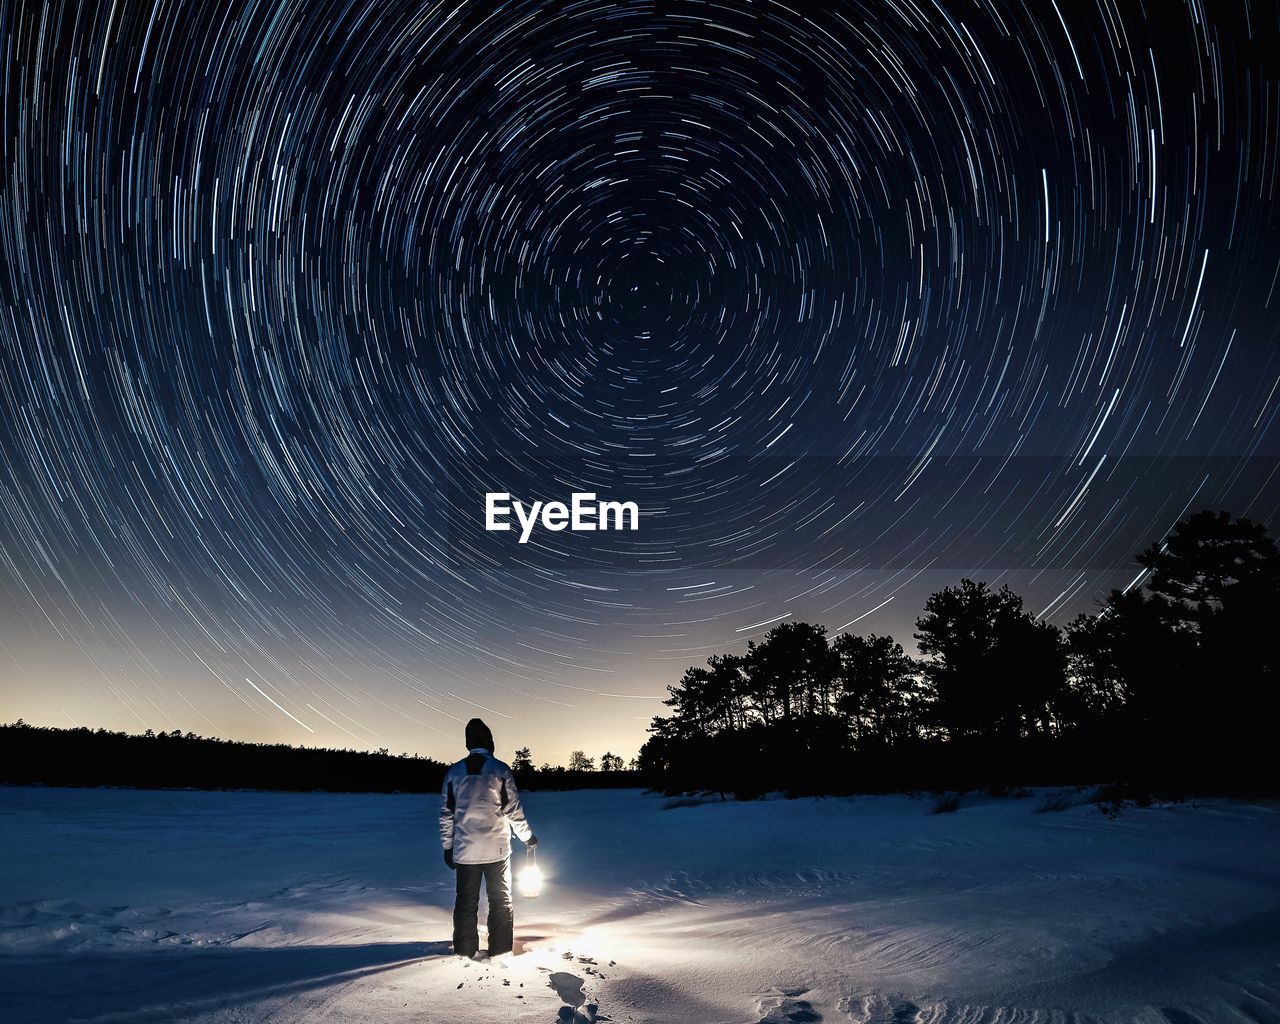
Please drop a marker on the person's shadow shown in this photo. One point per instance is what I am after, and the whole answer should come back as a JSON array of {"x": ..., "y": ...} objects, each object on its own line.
[{"x": 155, "y": 985}]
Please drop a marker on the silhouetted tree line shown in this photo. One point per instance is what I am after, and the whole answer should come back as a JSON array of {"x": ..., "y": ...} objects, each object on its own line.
[
  {"x": 582, "y": 773},
  {"x": 1170, "y": 688},
  {"x": 175, "y": 760},
  {"x": 98, "y": 757}
]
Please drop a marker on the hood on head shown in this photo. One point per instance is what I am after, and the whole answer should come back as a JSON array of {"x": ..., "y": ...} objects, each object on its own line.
[{"x": 478, "y": 735}]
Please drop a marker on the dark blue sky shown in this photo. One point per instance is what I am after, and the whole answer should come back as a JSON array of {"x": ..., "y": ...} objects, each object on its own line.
[{"x": 852, "y": 299}]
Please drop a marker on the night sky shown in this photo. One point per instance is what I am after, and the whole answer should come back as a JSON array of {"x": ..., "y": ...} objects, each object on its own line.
[{"x": 853, "y": 300}]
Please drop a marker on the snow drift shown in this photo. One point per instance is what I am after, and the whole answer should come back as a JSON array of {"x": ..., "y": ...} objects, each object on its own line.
[{"x": 196, "y": 906}]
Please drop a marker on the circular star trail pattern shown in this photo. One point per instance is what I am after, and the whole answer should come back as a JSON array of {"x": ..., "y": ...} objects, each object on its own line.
[{"x": 287, "y": 287}]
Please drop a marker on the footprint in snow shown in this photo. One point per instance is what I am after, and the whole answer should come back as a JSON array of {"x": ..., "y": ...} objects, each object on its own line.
[
  {"x": 879, "y": 1010},
  {"x": 789, "y": 1009},
  {"x": 576, "y": 1009}
]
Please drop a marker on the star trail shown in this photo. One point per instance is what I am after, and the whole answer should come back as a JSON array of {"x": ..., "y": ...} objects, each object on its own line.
[{"x": 852, "y": 299}]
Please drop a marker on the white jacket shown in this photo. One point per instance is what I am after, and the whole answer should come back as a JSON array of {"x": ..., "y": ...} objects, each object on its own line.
[{"x": 479, "y": 808}]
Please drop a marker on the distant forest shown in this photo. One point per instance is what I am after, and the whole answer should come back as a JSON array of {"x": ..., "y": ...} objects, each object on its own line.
[
  {"x": 176, "y": 760},
  {"x": 1170, "y": 689}
]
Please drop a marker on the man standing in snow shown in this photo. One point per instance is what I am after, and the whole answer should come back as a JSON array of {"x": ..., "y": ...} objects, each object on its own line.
[{"x": 479, "y": 807}]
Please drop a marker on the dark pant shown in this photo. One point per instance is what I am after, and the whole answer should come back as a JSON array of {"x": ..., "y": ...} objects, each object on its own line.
[{"x": 497, "y": 883}]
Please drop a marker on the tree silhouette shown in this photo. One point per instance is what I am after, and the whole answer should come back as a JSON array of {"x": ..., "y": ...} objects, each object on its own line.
[
  {"x": 1173, "y": 683},
  {"x": 579, "y": 762},
  {"x": 727, "y": 681},
  {"x": 997, "y": 671},
  {"x": 878, "y": 689},
  {"x": 1220, "y": 578},
  {"x": 1134, "y": 662},
  {"x": 1211, "y": 563},
  {"x": 792, "y": 671},
  {"x": 707, "y": 700}
]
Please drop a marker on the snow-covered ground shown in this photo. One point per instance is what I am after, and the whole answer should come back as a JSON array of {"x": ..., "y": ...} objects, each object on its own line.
[{"x": 186, "y": 906}]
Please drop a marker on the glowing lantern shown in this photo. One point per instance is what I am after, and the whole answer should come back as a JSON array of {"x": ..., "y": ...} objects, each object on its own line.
[{"x": 530, "y": 880}]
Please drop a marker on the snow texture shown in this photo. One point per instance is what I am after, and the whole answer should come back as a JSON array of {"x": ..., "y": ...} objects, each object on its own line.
[{"x": 118, "y": 905}]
